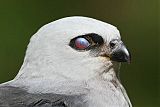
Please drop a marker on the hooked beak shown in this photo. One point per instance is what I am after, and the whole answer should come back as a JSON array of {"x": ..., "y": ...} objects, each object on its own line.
[{"x": 121, "y": 54}]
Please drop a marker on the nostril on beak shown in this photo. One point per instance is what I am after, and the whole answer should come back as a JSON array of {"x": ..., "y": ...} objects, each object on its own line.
[{"x": 112, "y": 45}]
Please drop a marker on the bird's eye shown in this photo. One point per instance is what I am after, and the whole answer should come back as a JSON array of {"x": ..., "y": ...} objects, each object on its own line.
[
  {"x": 81, "y": 43},
  {"x": 86, "y": 42}
]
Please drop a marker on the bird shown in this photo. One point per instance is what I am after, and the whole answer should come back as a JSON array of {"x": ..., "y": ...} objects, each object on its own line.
[{"x": 71, "y": 62}]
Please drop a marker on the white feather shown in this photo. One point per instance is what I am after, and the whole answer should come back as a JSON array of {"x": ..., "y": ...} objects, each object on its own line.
[{"x": 51, "y": 65}]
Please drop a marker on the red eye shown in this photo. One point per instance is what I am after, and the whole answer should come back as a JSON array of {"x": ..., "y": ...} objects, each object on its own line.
[{"x": 81, "y": 43}]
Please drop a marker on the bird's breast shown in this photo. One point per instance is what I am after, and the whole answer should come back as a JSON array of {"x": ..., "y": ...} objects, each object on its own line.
[{"x": 106, "y": 94}]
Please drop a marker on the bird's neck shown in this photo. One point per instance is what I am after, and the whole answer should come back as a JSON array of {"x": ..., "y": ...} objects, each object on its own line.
[
  {"x": 49, "y": 85},
  {"x": 31, "y": 81}
]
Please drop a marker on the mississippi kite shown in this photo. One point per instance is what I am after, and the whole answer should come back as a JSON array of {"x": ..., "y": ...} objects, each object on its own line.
[{"x": 71, "y": 62}]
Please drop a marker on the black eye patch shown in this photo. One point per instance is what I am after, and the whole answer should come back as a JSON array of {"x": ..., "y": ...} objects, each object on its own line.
[
  {"x": 86, "y": 42},
  {"x": 97, "y": 39}
]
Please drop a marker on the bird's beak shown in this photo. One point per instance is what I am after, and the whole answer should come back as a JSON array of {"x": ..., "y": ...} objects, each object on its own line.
[{"x": 121, "y": 54}]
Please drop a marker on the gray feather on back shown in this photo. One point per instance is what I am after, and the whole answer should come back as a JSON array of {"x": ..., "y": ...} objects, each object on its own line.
[{"x": 16, "y": 97}]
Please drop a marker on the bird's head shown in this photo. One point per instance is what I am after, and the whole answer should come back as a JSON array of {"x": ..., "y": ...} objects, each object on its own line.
[{"x": 76, "y": 48}]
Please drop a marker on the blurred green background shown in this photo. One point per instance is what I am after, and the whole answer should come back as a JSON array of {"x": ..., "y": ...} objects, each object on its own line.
[{"x": 137, "y": 21}]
